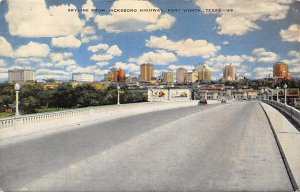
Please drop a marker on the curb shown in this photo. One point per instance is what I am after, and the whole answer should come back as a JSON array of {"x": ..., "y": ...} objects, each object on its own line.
[{"x": 286, "y": 164}]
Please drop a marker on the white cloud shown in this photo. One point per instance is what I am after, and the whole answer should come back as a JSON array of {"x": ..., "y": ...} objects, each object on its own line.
[
  {"x": 102, "y": 64},
  {"x": 28, "y": 61},
  {"x": 291, "y": 34},
  {"x": 56, "y": 57},
  {"x": 66, "y": 42},
  {"x": 43, "y": 73},
  {"x": 225, "y": 42},
  {"x": 114, "y": 51},
  {"x": 4, "y": 75},
  {"x": 101, "y": 57},
  {"x": 51, "y": 71},
  {"x": 293, "y": 63},
  {"x": 5, "y": 48},
  {"x": 134, "y": 21},
  {"x": 159, "y": 57},
  {"x": 265, "y": 56},
  {"x": 261, "y": 72},
  {"x": 46, "y": 65},
  {"x": 98, "y": 47},
  {"x": 64, "y": 63},
  {"x": 41, "y": 21},
  {"x": 130, "y": 67},
  {"x": 245, "y": 14},
  {"x": 107, "y": 52},
  {"x": 88, "y": 5},
  {"x": 185, "y": 48},
  {"x": 2, "y": 63},
  {"x": 187, "y": 67},
  {"x": 89, "y": 69},
  {"x": 32, "y": 49},
  {"x": 88, "y": 34}
]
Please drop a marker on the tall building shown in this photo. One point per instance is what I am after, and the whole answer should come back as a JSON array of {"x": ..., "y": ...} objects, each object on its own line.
[
  {"x": 168, "y": 77},
  {"x": 121, "y": 75},
  {"x": 191, "y": 77},
  {"x": 180, "y": 75},
  {"x": 281, "y": 71},
  {"x": 109, "y": 77},
  {"x": 229, "y": 73},
  {"x": 204, "y": 73},
  {"x": 83, "y": 77},
  {"x": 21, "y": 75},
  {"x": 115, "y": 73},
  {"x": 147, "y": 72}
]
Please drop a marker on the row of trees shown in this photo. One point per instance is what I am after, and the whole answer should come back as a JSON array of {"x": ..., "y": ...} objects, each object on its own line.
[{"x": 34, "y": 96}]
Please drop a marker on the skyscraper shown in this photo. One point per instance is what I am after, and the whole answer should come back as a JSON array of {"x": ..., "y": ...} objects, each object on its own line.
[
  {"x": 147, "y": 72},
  {"x": 121, "y": 75},
  {"x": 204, "y": 73},
  {"x": 168, "y": 77},
  {"x": 229, "y": 73},
  {"x": 281, "y": 71},
  {"x": 180, "y": 75},
  {"x": 21, "y": 75}
]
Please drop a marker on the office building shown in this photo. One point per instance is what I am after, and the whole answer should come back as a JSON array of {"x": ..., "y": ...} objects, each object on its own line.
[
  {"x": 204, "y": 73},
  {"x": 21, "y": 75},
  {"x": 229, "y": 73},
  {"x": 121, "y": 75},
  {"x": 147, "y": 72},
  {"x": 168, "y": 77},
  {"x": 83, "y": 77},
  {"x": 281, "y": 71},
  {"x": 191, "y": 77},
  {"x": 180, "y": 75}
]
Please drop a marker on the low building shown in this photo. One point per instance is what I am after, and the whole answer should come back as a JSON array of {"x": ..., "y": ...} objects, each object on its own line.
[
  {"x": 83, "y": 77},
  {"x": 169, "y": 94},
  {"x": 21, "y": 75}
]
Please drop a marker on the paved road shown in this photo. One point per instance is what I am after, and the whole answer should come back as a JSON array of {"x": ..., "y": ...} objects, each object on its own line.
[{"x": 228, "y": 147}]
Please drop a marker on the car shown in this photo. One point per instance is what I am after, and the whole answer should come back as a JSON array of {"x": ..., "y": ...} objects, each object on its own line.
[
  {"x": 223, "y": 101},
  {"x": 202, "y": 102}
]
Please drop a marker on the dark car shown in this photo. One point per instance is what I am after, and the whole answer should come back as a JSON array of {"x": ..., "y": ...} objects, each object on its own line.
[
  {"x": 223, "y": 101},
  {"x": 202, "y": 102}
]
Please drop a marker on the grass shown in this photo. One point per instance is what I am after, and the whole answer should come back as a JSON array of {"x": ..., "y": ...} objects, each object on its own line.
[
  {"x": 46, "y": 110},
  {"x": 5, "y": 114}
]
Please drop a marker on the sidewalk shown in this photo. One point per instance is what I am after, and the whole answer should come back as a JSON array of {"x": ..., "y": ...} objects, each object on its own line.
[
  {"x": 12, "y": 135},
  {"x": 289, "y": 139}
]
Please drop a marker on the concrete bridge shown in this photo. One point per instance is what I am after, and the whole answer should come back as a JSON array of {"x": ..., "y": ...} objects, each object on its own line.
[{"x": 237, "y": 146}]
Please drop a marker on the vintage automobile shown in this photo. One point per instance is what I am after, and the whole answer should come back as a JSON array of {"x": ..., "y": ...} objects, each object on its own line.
[{"x": 202, "y": 102}]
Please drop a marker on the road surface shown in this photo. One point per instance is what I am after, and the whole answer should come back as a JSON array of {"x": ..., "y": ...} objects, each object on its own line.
[{"x": 225, "y": 147}]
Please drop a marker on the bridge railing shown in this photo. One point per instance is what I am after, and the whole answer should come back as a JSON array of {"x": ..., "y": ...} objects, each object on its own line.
[
  {"x": 56, "y": 117},
  {"x": 286, "y": 109}
]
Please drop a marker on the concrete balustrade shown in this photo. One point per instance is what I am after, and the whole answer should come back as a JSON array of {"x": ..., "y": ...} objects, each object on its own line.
[
  {"x": 286, "y": 109},
  {"x": 20, "y": 121}
]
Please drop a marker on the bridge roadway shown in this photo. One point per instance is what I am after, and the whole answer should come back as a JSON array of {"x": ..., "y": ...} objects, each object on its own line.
[{"x": 225, "y": 147}]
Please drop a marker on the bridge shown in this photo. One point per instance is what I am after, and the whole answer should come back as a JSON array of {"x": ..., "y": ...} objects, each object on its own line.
[{"x": 236, "y": 146}]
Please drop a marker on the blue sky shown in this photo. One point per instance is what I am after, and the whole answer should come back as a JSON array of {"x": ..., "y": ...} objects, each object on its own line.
[{"x": 55, "y": 41}]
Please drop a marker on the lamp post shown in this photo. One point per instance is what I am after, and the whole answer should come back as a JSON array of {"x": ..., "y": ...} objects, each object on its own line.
[
  {"x": 285, "y": 91},
  {"x": 277, "y": 99},
  {"x": 17, "y": 89},
  {"x": 118, "y": 89},
  {"x": 206, "y": 92},
  {"x": 271, "y": 94}
]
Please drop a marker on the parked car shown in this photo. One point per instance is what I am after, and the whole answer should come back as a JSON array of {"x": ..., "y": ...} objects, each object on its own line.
[
  {"x": 223, "y": 101},
  {"x": 202, "y": 102}
]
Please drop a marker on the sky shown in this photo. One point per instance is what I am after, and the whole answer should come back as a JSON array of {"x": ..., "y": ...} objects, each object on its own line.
[{"x": 59, "y": 37}]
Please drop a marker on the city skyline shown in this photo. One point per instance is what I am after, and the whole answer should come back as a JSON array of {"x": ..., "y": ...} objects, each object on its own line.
[{"x": 94, "y": 42}]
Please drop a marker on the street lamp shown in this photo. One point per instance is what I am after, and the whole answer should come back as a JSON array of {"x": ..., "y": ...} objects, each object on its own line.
[
  {"x": 271, "y": 94},
  {"x": 206, "y": 92},
  {"x": 285, "y": 91},
  {"x": 118, "y": 88},
  {"x": 277, "y": 99},
  {"x": 17, "y": 89}
]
